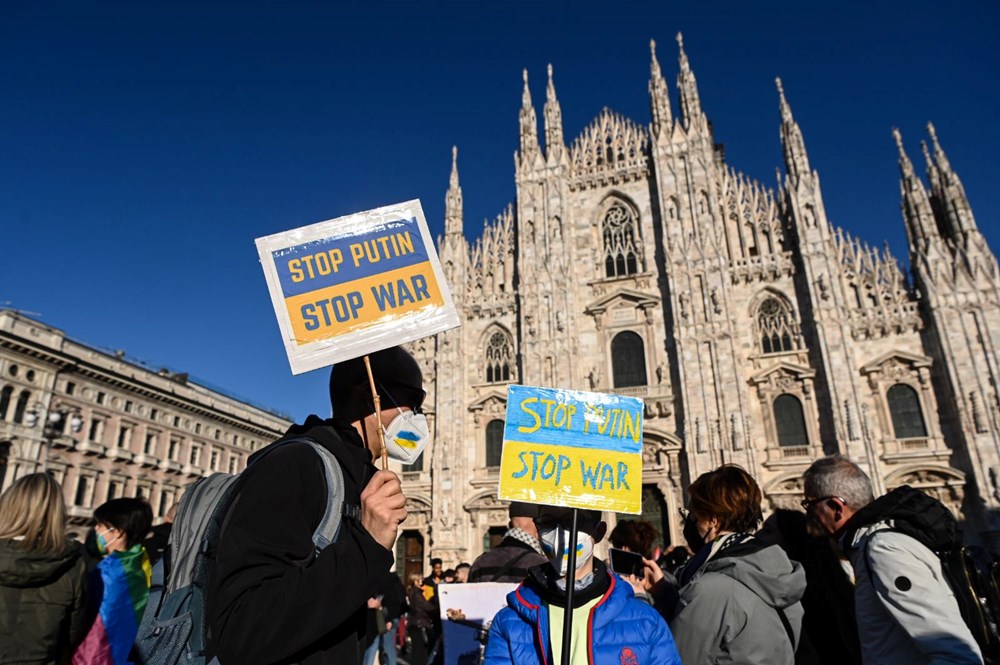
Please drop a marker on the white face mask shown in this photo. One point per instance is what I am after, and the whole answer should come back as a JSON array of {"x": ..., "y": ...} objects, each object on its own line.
[
  {"x": 555, "y": 544},
  {"x": 407, "y": 436}
]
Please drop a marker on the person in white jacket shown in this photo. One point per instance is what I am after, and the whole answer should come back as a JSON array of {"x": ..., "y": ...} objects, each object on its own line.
[{"x": 906, "y": 612}]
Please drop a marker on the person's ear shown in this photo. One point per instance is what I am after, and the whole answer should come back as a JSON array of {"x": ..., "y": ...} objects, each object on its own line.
[
  {"x": 599, "y": 532},
  {"x": 837, "y": 508}
]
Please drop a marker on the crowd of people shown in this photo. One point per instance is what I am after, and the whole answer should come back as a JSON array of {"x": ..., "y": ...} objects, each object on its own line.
[{"x": 849, "y": 579}]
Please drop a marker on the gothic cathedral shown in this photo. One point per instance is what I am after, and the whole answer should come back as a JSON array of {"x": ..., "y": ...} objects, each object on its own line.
[{"x": 637, "y": 261}]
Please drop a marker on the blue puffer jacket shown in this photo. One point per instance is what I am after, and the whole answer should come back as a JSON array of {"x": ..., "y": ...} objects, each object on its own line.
[{"x": 622, "y": 630}]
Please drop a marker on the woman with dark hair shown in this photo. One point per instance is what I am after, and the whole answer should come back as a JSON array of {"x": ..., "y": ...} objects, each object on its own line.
[
  {"x": 119, "y": 584},
  {"x": 42, "y": 575},
  {"x": 739, "y": 602}
]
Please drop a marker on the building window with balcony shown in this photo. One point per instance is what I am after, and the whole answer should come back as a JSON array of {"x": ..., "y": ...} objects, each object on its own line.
[
  {"x": 195, "y": 455},
  {"x": 82, "y": 489},
  {"x": 5, "y": 396},
  {"x": 233, "y": 462},
  {"x": 96, "y": 430},
  {"x": 149, "y": 447},
  {"x": 628, "y": 360},
  {"x": 790, "y": 422},
  {"x": 21, "y": 406},
  {"x": 124, "y": 436},
  {"x": 114, "y": 489},
  {"x": 498, "y": 358},
  {"x": 166, "y": 499},
  {"x": 70, "y": 387},
  {"x": 213, "y": 463},
  {"x": 494, "y": 443},
  {"x": 173, "y": 450},
  {"x": 907, "y": 416},
  {"x": 620, "y": 236},
  {"x": 774, "y": 327}
]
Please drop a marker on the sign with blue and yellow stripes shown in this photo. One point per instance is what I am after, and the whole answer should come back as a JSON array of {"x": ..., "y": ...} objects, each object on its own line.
[
  {"x": 571, "y": 448},
  {"x": 356, "y": 284}
]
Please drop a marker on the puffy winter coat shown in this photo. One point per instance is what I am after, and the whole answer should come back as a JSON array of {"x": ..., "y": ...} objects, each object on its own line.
[
  {"x": 728, "y": 612},
  {"x": 907, "y": 613},
  {"x": 621, "y": 628},
  {"x": 42, "y": 604}
]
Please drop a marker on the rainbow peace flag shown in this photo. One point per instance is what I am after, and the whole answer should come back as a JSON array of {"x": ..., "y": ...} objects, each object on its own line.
[{"x": 121, "y": 582}]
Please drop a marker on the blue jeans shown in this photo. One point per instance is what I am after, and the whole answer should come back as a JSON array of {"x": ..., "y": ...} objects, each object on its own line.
[{"x": 387, "y": 642}]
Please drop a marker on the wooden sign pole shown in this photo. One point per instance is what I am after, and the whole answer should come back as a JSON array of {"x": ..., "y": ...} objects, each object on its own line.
[{"x": 378, "y": 418}]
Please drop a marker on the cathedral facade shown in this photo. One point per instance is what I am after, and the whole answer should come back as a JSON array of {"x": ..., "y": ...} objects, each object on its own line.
[{"x": 635, "y": 260}]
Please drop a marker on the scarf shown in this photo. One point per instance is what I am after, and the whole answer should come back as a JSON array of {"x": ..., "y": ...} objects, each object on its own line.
[{"x": 525, "y": 537}]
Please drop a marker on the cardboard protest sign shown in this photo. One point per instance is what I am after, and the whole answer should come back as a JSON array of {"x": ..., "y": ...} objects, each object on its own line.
[
  {"x": 467, "y": 610},
  {"x": 573, "y": 449},
  {"x": 353, "y": 285}
]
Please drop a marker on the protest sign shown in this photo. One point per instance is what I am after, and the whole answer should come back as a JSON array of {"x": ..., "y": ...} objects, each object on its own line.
[
  {"x": 573, "y": 449},
  {"x": 467, "y": 610},
  {"x": 354, "y": 285}
]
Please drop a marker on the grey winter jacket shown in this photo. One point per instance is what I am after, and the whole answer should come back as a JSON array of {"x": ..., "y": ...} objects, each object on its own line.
[
  {"x": 728, "y": 612},
  {"x": 907, "y": 613}
]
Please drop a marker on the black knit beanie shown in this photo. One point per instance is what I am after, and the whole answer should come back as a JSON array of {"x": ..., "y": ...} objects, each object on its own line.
[{"x": 397, "y": 379}]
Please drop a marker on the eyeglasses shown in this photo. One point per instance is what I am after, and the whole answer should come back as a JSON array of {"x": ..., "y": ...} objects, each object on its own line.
[{"x": 809, "y": 503}]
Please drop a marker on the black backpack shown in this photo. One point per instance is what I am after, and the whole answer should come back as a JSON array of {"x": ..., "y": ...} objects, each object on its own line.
[{"x": 970, "y": 571}]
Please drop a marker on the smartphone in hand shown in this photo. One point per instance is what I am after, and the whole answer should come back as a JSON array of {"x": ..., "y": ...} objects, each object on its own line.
[{"x": 627, "y": 563}]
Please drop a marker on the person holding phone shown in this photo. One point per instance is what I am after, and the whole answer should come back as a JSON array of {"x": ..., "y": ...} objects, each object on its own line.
[
  {"x": 650, "y": 582},
  {"x": 609, "y": 624}
]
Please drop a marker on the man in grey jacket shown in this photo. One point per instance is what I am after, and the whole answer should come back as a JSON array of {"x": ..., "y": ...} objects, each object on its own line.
[{"x": 907, "y": 613}]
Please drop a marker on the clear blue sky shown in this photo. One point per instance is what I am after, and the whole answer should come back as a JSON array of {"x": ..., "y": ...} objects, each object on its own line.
[{"x": 143, "y": 146}]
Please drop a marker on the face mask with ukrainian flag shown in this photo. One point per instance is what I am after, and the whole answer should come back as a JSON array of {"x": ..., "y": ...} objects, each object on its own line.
[
  {"x": 407, "y": 436},
  {"x": 555, "y": 544}
]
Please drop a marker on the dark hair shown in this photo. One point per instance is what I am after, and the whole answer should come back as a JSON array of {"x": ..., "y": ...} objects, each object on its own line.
[
  {"x": 436, "y": 562},
  {"x": 133, "y": 517},
  {"x": 462, "y": 565},
  {"x": 448, "y": 573},
  {"x": 638, "y": 536},
  {"x": 730, "y": 495}
]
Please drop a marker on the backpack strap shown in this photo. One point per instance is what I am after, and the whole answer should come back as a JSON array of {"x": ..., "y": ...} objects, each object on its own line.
[{"x": 328, "y": 529}]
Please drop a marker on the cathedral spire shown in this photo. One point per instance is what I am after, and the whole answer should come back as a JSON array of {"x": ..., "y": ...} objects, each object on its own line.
[
  {"x": 553, "y": 122},
  {"x": 918, "y": 216},
  {"x": 659, "y": 96},
  {"x": 453, "y": 199},
  {"x": 529, "y": 125},
  {"x": 688, "y": 88},
  {"x": 949, "y": 193},
  {"x": 792, "y": 143}
]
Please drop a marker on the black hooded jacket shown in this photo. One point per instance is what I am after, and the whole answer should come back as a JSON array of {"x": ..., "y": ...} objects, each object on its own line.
[{"x": 271, "y": 600}]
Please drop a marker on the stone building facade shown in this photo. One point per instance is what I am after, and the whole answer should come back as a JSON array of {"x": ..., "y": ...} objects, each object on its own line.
[
  {"x": 636, "y": 260},
  {"x": 106, "y": 427}
]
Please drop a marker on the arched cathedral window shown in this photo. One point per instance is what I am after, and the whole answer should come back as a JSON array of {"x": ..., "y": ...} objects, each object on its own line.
[
  {"x": 789, "y": 421},
  {"x": 907, "y": 416},
  {"x": 494, "y": 443},
  {"x": 774, "y": 325},
  {"x": 498, "y": 358},
  {"x": 628, "y": 360},
  {"x": 621, "y": 254}
]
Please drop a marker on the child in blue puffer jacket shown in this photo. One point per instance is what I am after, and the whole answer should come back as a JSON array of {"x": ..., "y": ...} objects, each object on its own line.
[{"x": 610, "y": 625}]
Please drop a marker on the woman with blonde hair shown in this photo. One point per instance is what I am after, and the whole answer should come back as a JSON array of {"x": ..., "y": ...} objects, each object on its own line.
[{"x": 42, "y": 601}]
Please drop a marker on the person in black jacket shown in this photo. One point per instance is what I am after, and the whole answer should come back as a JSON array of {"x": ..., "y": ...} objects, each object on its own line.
[
  {"x": 272, "y": 598},
  {"x": 518, "y": 552},
  {"x": 384, "y": 611}
]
